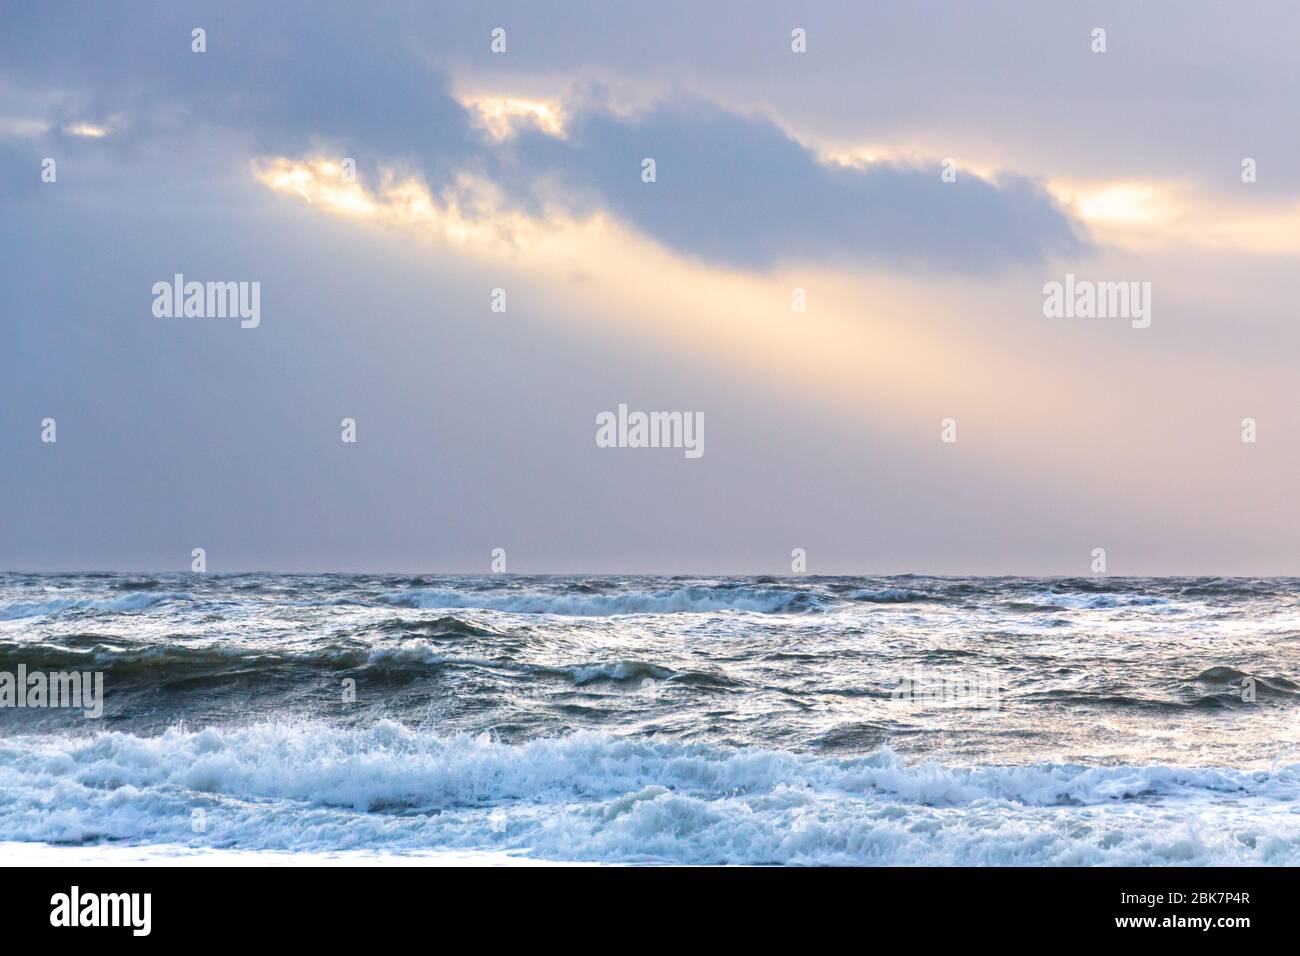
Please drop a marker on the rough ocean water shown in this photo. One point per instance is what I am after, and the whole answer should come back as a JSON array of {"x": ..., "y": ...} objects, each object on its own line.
[{"x": 653, "y": 719}]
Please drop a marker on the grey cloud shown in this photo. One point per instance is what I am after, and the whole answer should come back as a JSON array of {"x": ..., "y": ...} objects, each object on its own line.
[
  {"x": 739, "y": 190},
  {"x": 732, "y": 189},
  {"x": 289, "y": 78}
]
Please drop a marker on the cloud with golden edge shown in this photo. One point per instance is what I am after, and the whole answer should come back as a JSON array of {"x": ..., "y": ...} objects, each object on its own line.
[
  {"x": 502, "y": 116},
  {"x": 469, "y": 211}
]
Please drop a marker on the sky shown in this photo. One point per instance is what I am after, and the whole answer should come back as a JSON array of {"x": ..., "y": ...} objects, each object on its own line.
[{"x": 839, "y": 266}]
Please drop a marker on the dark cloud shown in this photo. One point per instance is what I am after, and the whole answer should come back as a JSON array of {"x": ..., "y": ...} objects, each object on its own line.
[
  {"x": 731, "y": 189},
  {"x": 739, "y": 190},
  {"x": 289, "y": 78}
]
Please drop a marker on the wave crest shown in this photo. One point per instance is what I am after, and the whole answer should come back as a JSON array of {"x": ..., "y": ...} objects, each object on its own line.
[
  {"x": 596, "y": 797},
  {"x": 676, "y": 601}
]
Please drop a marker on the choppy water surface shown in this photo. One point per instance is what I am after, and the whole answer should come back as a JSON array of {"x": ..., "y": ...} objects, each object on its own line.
[{"x": 751, "y": 720}]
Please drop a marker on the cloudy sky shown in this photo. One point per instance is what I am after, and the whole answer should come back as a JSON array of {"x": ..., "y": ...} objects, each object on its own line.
[{"x": 775, "y": 170}]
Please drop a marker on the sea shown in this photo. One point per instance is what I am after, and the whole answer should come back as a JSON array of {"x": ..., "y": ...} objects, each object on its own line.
[{"x": 610, "y": 719}]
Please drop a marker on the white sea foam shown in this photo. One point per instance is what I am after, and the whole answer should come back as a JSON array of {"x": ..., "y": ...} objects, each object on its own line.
[
  {"x": 618, "y": 670},
  {"x": 172, "y": 855},
  {"x": 127, "y": 602},
  {"x": 602, "y": 798},
  {"x": 887, "y": 595},
  {"x": 1097, "y": 601},
  {"x": 680, "y": 600}
]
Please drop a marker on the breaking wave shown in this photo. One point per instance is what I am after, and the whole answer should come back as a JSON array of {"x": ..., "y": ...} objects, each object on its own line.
[
  {"x": 134, "y": 601},
  {"x": 603, "y": 798}
]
